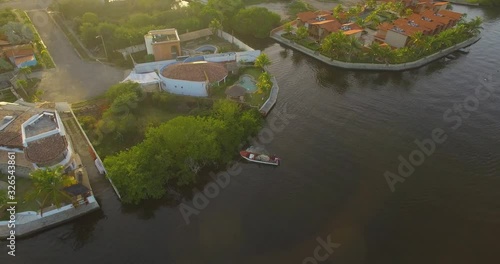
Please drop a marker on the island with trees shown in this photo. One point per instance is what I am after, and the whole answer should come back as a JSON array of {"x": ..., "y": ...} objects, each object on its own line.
[{"x": 377, "y": 36}]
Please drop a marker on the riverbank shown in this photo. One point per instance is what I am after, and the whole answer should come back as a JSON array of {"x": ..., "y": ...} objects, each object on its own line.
[
  {"x": 465, "y": 3},
  {"x": 276, "y": 35}
]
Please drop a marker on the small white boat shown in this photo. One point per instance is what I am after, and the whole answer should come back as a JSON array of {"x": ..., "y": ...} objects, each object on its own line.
[
  {"x": 464, "y": 50},
  {"x": 260, "y": 158},
  {"x": 451, "y": 56}
]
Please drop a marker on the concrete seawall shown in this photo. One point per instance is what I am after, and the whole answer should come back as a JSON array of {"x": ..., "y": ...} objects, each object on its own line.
[
  {"x": 31, "y": 222},
  {"x": 271, "y": 101},
  {"x": 372, "y": 66}
]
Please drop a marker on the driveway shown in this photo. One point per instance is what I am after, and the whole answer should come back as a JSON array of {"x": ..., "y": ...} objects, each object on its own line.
[{"x": 73, "y": 79}]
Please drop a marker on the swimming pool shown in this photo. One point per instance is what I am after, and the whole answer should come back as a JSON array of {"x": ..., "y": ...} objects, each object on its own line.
[{"x": 247, "y": 82}]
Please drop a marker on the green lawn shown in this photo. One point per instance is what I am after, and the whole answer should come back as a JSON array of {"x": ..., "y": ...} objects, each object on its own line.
[
  {"x": 23, "y": 186},
  {"x": 256, "y": 99},
  {"x": 253, "y": 71}
]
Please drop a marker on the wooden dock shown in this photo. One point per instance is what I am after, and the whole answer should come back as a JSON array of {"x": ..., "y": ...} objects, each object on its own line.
[{"x": 271, "y": 101}]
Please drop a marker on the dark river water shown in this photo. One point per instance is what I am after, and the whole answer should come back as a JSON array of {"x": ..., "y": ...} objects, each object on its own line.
[{"x": 345, "y": 130}]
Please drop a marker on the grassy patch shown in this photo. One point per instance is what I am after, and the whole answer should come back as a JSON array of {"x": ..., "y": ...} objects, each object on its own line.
[
  {"x": 252, "y": 71},
  {"x": 23, "y": 186},
  {"x": 256, "y": 99}
]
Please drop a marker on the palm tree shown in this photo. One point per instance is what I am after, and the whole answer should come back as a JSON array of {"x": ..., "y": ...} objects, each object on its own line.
[
  {"x": 354, "y": 47},
  {"x": 48, "y": 187},
  {"x": 215, "y": 25},
  {"x": 382, "y": 53},
  {"x": 302, "y": 33},
  {"x": 262, "y": 61},
  {"x": 264, "y": 83},
  {"x": 474, "y": 26}
]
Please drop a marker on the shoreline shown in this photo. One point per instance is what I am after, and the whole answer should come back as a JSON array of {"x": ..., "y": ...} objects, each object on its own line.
[
  {"x": 464, "y": 3},
  {"x": 373, "y": 66}
]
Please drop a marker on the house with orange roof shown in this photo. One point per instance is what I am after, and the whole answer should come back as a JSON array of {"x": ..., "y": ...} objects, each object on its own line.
[
  {"x": 435, "y": 6},
  {"x": 453, "y": 16},
  {"x": 446, "y": 21},
  {"x": 304, "y": 18},
  {"x": 322, "y": 23},
  {"x": 433, "y": 25},
  {"x": 20, "y": 55},
  {"x": 398, "y": 33}
]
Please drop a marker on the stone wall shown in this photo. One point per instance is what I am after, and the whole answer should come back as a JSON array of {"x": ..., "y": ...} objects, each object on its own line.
[
  {"x": 31, "y": 222},
  {"x": 373, "y": 66},
  {"x": 232, "y": 39}
]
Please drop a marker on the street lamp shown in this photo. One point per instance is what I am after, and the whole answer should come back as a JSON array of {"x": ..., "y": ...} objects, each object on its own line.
[{"x": 104, "y": 45}]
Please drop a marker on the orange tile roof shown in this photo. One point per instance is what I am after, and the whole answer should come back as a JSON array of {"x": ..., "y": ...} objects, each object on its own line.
[
  {"x": 431, "y": 15},
  {"x": 23, "y": 59},
  {"x": 196, "y": 72},
  {"x": 353, "y": 31},
  {"x": 46, "y": 149},
  {"x": 440, "y": 3},
  {"x": 15, "y": 52},
  {"x": 331, "y": 26},
  {"x": 432, "y": 24},
  {"x": 385, "y": 26},
  {"x": 450, "y": 14},
  {"x": 309, "y": 15}
]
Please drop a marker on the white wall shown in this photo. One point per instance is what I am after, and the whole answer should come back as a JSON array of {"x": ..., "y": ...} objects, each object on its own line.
[
  {"x": 230, "y": 38},
  {"x": 247, "y": 56},
  {"x": 220, "y": 57},
  {"x": 182, "y": 87},
  {"x": 148, "y": 40},
  {"x": 152, "y": 66},
  {"x": 395, "y": 39}
]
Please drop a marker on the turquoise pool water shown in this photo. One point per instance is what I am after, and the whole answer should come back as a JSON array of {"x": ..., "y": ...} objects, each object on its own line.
[{"x": 248, "y": 83}]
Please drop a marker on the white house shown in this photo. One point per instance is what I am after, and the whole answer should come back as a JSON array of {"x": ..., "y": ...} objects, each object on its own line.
[
  {"x": 192, "y": 78},
  {"x": 36, "y": 134}
]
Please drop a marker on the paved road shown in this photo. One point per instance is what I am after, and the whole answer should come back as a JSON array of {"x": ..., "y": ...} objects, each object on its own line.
[
  {"x": 74, "y": 79},
  {"x": 26, "y": 4}
]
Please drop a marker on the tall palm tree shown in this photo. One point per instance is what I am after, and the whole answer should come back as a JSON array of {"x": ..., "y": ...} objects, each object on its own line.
[
  {"x": 264, "y": 83},
  {"x": 354, "y": 47},
  {"x": 474, "y": 26},
  {"x": 48, "y": 187}
]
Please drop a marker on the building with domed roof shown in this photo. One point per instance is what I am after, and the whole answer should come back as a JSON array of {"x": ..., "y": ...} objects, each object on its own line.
[{"x": 192, "y": 78}]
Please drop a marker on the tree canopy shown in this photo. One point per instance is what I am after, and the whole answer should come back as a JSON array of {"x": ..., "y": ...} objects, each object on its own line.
[
  {"x": 48, "y": 186},
  {"x": 18, "y": 33},
  {"x": 177, "y": 150},
  {"x": 255, "y": 21}
]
